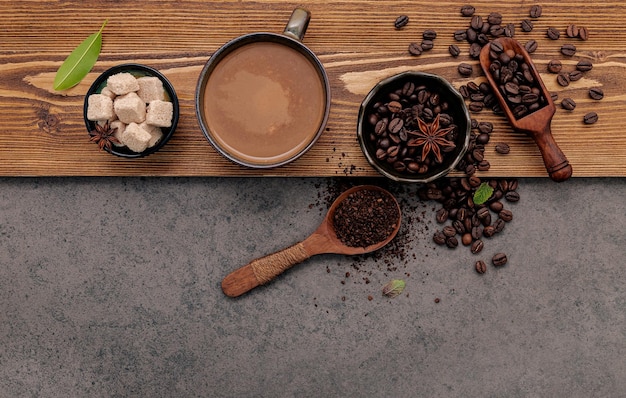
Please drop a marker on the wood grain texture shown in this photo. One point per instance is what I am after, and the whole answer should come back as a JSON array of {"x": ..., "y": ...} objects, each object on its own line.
[{"x": 42, "y": 132}]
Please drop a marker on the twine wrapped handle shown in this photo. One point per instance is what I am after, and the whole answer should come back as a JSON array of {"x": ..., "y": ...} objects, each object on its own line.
[
  {"x": 263, "y": 270},
  {"x": 269, "y": 267}
]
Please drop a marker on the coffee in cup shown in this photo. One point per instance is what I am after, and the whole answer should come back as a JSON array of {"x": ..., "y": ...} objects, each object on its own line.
[{"x": 263, "y": 99}]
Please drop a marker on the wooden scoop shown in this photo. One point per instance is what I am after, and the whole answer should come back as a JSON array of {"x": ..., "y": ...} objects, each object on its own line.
[
  {"x": 537, "y": 123},
  {"x": 323, "y": 240}
]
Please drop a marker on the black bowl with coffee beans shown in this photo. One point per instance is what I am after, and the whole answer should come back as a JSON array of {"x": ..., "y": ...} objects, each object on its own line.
[{"x": 414, "y": 127}]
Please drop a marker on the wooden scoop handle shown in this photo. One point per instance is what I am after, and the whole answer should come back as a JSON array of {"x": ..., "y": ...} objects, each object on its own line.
[
  {"x": 263, "y": 270},
  {"x": 556, "y": 163}
]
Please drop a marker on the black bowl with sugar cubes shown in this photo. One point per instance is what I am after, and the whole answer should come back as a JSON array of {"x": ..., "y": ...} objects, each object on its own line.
[
  {"x": 414, "y": 127},
  {"x": 131, "y": 110}
]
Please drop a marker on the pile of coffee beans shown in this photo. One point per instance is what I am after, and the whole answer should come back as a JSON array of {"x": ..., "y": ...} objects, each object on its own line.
[
  {"x": 393, "y": 124},
  {"x": 465, "y": 223},
  {"x": 366, "y": 217},
  {"x": 515, "y": 79}
]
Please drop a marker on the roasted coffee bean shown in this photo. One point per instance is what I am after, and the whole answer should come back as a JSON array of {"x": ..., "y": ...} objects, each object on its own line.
[
  {"x": 571, "y": 31},
  {"x": 474, "y": 181},
  {"x": 429, "y": 34},
  {"x": 484, "y": 165},
  {"x": 452, "y": 242},
  {"x": 427, "y": 45},
  {"x": 535, "y": 11},
  {"x": 509, "y": 30},
  {"x": 590, "y": 118},
  {"x": 442, "y": 215},
  {"x": 449, "y": 231},
  {"x": 568, "y": 49},
  {"x": 460, "y": 35},
  {"x": 555, "y": 66},
  {"x": 476, "y": 107},
  {"x": 454, "y": 50},
  {"x": 480, "y": 267},
  {"x": 499, "y": 259},
  {"x": 482, "y": 139},
  {"x": 381, "y": 126},
  {"x": 489, "y": 231},
  {"x": 596, "y": 93},
  {"x": 584, "y": 65},
  {"x": 394, "y": 106},
  {"x": 465, "y": 69},
  {"x": 496, "y": 47},
  {"x": 496, "y": 30},
  {"x": 498, "y": 225},
  {"x": 439, "y": 238},
  {"x": 503, "y": 148},
  {"x": 553, "y": 33},
  {"x": 477, "y": 246},
  {"x": 554, "y": 96},
  {"x": 459, "y": 227},
  {"x": 494, "y": 18},
  {"x": 477, "y": 232},
  {"x": 395, "y": 125},
  {"x": 468, "y": 11},
  {"x": 512, "y": 196},
  {"x": 466, "y": 239},
  {"x": 531, "y": 46},
  {"x": 583, "y": 33},
  {"x": 496, "y": 206},
  {"x": 482, "y": 213},
  {"x": 575, "y": 75},
  {"x": 477, "y": 22},
  {"x": 474, "y": 50},
  {"x": 563, "y": 79},
  {"x": 568, "y": 104},
  {"x": 527, "y": 25},
  {"x": 506, "y": 215},
  {"x": 401, "y": 21},
  {"x": 415, "y": 49}
]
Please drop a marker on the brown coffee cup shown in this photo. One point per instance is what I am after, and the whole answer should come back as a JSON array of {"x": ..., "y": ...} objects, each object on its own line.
[{"x": 263, "y": 99}]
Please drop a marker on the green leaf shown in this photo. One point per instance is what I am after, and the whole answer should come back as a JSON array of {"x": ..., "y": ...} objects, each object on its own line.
[
  {"x": 483, "y": 193},
  {"x": 79, "y": 62}
]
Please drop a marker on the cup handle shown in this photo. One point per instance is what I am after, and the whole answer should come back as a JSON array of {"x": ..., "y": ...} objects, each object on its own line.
[{"x": 298, "y": 22}]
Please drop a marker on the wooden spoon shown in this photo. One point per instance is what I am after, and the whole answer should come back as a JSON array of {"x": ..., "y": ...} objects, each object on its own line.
[
  {"x": 323, "y": 240},
  {"x": 537, "y": 123}
]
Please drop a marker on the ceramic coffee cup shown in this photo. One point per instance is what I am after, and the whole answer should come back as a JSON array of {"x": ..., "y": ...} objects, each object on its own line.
[{"x": 263, "y": 99}]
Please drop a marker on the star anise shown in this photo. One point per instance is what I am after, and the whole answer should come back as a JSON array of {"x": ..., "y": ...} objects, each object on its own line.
[
  {"x": 103, "y": 136},
  {"x": 431, "y": 138}
]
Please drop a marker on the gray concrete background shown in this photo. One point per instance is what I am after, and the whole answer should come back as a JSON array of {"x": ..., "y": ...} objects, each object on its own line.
[{"x": 110, "y": 287}]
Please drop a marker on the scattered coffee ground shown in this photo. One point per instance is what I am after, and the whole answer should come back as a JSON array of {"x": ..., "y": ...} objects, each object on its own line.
[{"x": 366, "y": 217}]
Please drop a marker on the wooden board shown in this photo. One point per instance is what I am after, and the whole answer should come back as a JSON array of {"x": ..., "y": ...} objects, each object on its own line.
[{"x": 42, "y": 131}]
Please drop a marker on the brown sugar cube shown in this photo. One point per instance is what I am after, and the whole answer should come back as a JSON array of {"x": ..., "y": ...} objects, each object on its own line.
[
  {"x": 160, "y": 113},
  {"x": 122, "y": 83},
  {"x": 99, "y": 107},
  {"x": 130, "y": 108}
]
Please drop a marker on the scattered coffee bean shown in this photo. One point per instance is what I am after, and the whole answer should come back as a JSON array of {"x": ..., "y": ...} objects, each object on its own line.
[
  {"x": 553, "y": 33},
  {"x": 555, "y": 66},
  {"x": 531, "y": 46},
  {"x": 499, "y": 259},
  {"x": 583, "y": 33},
  {"x": 568, "y": 50},
  {"x": 590, "y": 118},
  {"x": 429, "y": 34},
  {"x": 509, "y": 30},
  {"x": 401, "y": 21},
  {"x": 452, "y": 242},
  {"x": 535, "y": 11},
  {"x": 527, "y": 25},
  {"x": 454, "y": 50},
  {"x": 468, "y": 11},
  {"x": 568, "y": 104},
  {"x": 503, "y": 148},
  {"x": 494, "y": 18},
  {"x": 480, "y": 267},
  {"x": 415, "y": 49},
  {"x": 427, "y": 45},
  {"x": 465, "y": 69},
  {"x": 596, "y": 93},
  {"x": 575, "y": 75},
  {"x": 460, "y": 35},
  {"x": 505, "y": 215},
  {"x": 476, "y": 23},
  {"x": 474, "y": 50},
  {"x": 477, "y": 246},
  {"x": 563, "y": 79},
  {"x": 571, "y": 31},
  {"x": 512, "y": 196},
  {"x": 584, "y": 65}
]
